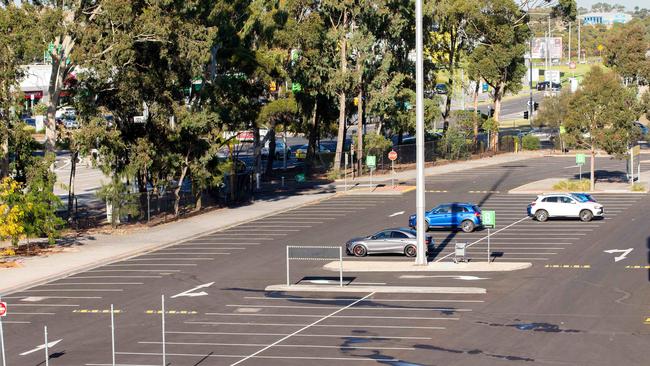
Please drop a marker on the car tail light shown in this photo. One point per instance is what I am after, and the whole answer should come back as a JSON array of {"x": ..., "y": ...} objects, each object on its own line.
[
  {"x": 533, "y": 203},
  {"x": 477, "y": 214}
]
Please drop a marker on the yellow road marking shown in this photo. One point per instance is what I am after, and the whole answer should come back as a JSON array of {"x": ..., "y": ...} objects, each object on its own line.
[
  {"x": 647, "y": 320},
  {"x": 568, "y": 266},
  {"x": 637, "y": 267},
  {"x": 96, "y": 311},
  {"x": 173, "y": 312}
]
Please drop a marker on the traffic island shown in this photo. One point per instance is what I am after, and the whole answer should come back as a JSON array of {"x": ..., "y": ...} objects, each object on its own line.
[
  {"x": 376, "y": 289},
  {"x": 548, "y": 186},
  {"x": 401, "y": 266}
]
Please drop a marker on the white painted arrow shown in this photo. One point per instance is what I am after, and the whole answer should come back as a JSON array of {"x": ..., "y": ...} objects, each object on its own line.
[
  {"x": 42, "y": 346},
  {"x": 624, "y": 252},
  {"x": 396, "y": 214},
  {"x": 463, "y": 278},
  {"x": 191, "y": 293}
]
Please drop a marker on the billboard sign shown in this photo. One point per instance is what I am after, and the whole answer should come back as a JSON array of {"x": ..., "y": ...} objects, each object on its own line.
[{"x": 554, "y": 46}]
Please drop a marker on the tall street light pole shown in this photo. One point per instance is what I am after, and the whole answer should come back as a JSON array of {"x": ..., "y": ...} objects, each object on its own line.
[{"x": 421, "y": 258}]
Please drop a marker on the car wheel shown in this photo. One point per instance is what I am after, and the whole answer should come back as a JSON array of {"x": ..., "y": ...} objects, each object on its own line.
[
  {"x": 467, "y": 226},
  {"x": 541, "y": 215},
  {"x": 410, "y": 251},
  {"x": 586, "y": 215},
  {"x": 359, "y": 251}
]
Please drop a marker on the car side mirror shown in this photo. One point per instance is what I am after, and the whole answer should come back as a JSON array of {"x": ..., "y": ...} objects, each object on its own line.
[{"x": 373, "y": 238}]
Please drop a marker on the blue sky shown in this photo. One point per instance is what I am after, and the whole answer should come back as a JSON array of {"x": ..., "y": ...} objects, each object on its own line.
[{"x": 630, "y": 4}]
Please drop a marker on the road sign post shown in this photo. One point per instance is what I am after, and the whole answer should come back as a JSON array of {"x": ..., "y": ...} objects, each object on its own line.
[
  {"x": 345, "y": 173},
  {"x": 580, "y": 161},
  {"x": 392, "y": 156},
  {"x": 3, "y": 313},
  {"x": 489, "y": 221},
  {"x": 164, "y": 356},
  {"x": 371, "y": 162}
]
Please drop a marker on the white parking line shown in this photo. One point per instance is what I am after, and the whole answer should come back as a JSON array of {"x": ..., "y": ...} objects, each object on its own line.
[
  {"x": 214, "y": 243},
  {"x": 256, "y": 230},
  {"x": 358, "y": 326},
  {"x": 255, "y": 226},
  {"x": 77, "y": 290},
  {"x": 355, "y": 299},
  {"x": 276, "y": 345},
  {"x": 14, "y": 313},
  {"x": 170, "y": 259},
  {"x": 43, "y": 305},
  {"x": 153, "y": 264},
  {"x": 92, "y": 283},
  {"x": 135, "y": 270},
  {"x": 301, "y": 329},
  {"x": 380, "y": 337},
  {"x": 97, "y": 277},
  {"x": 15, "y": 322},
  {"x": 330, "y": 307},
  {"x": 227, "y": 234},
  {"x": 289, "y": 222},
  {"x": 337, "y": 316},
  {"x": 212, "y": 355},
  {"x": 496, "y": 232}
]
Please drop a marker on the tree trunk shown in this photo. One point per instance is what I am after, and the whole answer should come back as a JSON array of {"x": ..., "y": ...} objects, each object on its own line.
[
  {"x": 177, "y": 191},
  {"x": 498, "y": 94},
  {"x": 592, "y": 176},
  {"x": 54, "y": 89},
  {"x": 344, "y": 65},
  {"x": 476, "y": 117},
  {"x": 271, "y": 157},
  {"x": 360, "y": 116},
  {"x": 71, "y": 192},
  {"x": 313, "y": 136},
  {"x": 4, "y": 163}
]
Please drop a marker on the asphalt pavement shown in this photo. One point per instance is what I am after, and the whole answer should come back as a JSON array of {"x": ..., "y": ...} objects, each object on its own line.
[{"x": 577, "y": 305}]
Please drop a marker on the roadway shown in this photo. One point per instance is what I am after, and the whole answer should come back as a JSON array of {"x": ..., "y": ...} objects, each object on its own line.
[{"x": 576, "y": 306}]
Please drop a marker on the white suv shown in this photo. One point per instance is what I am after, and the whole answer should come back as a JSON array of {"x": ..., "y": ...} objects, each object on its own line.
[{"x": 564, "y": 205}]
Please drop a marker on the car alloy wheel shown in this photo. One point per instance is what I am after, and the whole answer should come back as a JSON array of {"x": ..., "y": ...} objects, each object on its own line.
[
  {"x": 586, "y": 215},
  {"x": 410, "y": 251},
  {"x": 467, "y": 226},
  {"x": 541, "y": 215},
  {"x": 359, "y": 251}
]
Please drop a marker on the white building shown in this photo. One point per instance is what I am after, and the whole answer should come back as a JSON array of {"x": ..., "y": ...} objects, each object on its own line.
[
  {"x": 36, "y": 82},
  {"x": 607, "y": 19}
]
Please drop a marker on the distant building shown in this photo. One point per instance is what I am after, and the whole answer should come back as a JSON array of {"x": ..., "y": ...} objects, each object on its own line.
[{"x": 607, "y": 19}]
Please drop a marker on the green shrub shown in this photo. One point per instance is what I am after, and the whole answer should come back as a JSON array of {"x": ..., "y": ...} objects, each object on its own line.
[
  {"x": 333, "y": 174},
  {"x": 529, "y": 142},
  {"x": 638, "y": 187},
  {"x": 40, "y": 109},
  {"x": 454, "y": 145},
  {"x": 375, "y": 144},
  {"x": 573, "y": 185}
]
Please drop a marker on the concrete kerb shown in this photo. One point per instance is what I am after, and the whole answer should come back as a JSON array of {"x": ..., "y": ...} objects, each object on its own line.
[
  {"x": 377, "y": 289},
  {"x": 400, "y": 266},
  {"x": 147, "y": 249}
]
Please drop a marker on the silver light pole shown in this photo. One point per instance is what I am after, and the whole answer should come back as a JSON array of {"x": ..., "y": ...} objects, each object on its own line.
[{"x": 421, "y": 258}]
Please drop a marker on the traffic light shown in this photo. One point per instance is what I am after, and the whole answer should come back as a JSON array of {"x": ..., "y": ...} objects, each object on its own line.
[
  {"x": 525, "y": 114},
  {"x": 535, "y": 106}
]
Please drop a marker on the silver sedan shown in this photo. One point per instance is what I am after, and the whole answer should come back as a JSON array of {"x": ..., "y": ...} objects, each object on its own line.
[{"x": 400, "y": 240}]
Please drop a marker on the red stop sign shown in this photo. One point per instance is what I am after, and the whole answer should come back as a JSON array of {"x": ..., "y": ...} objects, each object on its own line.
[
  {"x": 392, "y": 155},
  {"x": 3, "y": 309}
]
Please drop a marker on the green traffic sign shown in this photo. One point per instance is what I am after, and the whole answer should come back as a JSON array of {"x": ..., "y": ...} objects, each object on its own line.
[
  {"x": 580, "y": 159},
  {"x": 300, "y": 178},
  {"x": 371, "y": 161},
  {"x": 489, "y": 218},
  {"x": 562, "y": 130}
]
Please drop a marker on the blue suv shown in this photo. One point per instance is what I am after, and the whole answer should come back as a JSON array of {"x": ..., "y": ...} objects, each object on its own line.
[{"x": 466, "y": 216}]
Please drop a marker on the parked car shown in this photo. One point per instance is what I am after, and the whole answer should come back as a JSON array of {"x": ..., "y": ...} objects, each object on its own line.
[
  {"x": 543, "y": 85},
  {"x": 544, "y": 135},
  {"x": 70, "y": 123},
  {"x": 441, "y": 88},
  {"x": 301, "y": 152},
  {"x": 398, "y": 241},
  {"x": 279, "y": 149},
  {"x": 466, "y": 216},
  {"x": 644, "y": 129},
  {"x": 584, "y": 197},
  {"x": 564, "y": 205}
]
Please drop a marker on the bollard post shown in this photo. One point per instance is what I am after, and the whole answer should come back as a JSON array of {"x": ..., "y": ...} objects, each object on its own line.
[
  {"x": 164, "y": 356},
  {"x": 282, "y": 181},
  {"x": 257, "y": 181},
  {"x": 112, "y": 336},
  {"x": 488, "y": 240},
  {"x": 47, "y": 351}
]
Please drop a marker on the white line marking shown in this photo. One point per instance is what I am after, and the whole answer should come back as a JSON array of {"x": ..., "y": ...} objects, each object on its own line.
[
  {"x": 277, "y": 345},
  {"x": 353, "y": 299},
  {"x": 341, "y": 316},
  {"x": 44, "y": 305},
  {"x": 153, "y": 264},
  {"x": 624, "y": 253},
  {"x": 463, "y": 278},
  {"x": 14, "y": 322},
  {"x": 354, "y": 359},
  {"x": 170, "y": 259},
  {"x": 97, "y": 277},
  {"x": 301, "y": 329},
  {"x": 92, "y": 283},
  {"x": 12, "y": 313},
  {"x": 135, "y": 270},
  {"x": 485, "y": 237},
  {"x": 396, "y": 214},
  {"x": 320, "y": 325},
  {"x": 330, "y": 307},
  {"x": 191, "y": 293},
  {"x": 76, "y": 290},
  {"x": 42, "y": 346},
  {"x": 382, "y": 337}
]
